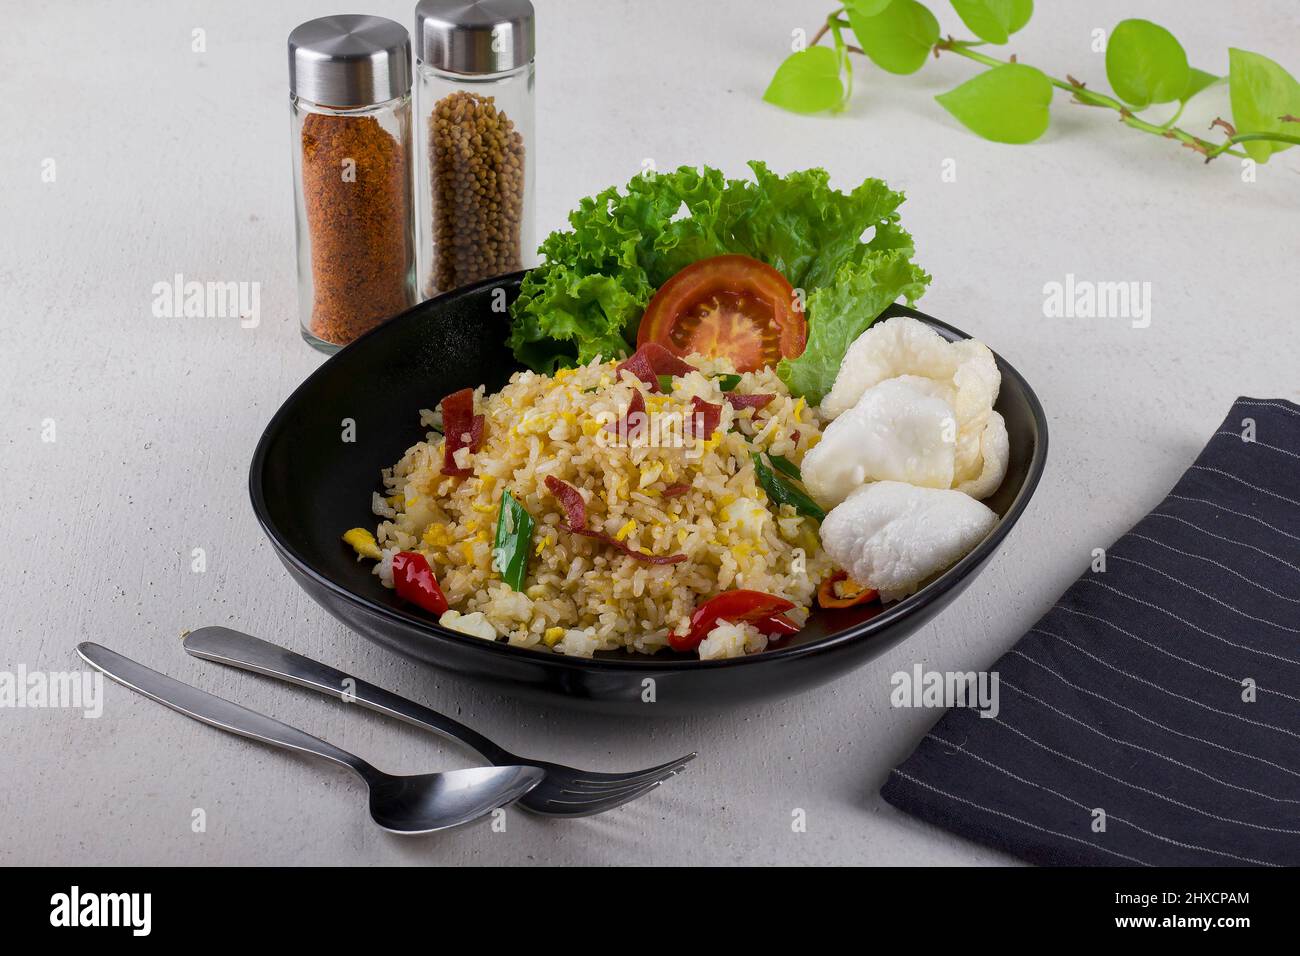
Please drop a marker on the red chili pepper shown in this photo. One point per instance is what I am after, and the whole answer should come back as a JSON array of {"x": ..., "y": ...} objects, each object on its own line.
[
  {"x": 415, "y": 582},
  {"x": 764, "y": 611},
  {"x": 828, "y": 597}
]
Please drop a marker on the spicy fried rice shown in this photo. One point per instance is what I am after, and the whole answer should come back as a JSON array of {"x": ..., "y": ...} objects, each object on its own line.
[{"x": 671, "y": 518}]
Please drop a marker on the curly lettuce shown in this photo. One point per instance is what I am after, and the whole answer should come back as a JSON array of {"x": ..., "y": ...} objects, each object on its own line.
[
  {"x": 842, "y": 310},
  {"x": 845, "y": 251}
]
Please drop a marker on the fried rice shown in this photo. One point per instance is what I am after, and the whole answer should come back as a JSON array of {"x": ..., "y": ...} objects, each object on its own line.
[{"x": 581, "y": 594}]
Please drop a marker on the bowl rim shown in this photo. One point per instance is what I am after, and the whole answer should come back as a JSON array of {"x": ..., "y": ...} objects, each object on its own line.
[{"x": 864, "y": 630}]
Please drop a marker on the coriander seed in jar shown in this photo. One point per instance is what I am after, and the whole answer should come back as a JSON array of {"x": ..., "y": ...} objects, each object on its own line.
[{"x": 474, "y": 139}]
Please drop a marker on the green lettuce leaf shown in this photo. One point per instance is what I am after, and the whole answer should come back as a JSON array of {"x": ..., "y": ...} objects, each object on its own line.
[
  {"x": 572, "y": 317},
  {"x": 805, "y": 229},
  {"x": 586, "y": 298},
  {"x": 842, "y": 310}
]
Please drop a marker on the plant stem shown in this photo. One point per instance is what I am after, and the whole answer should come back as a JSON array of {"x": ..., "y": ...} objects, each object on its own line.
[
  {"x": 1173, "y": 120},
  {"x": 843, "y": 53},
  {"x": 830, "y": 17},
  {"x": 1091, "y": 98},
  {"x": 1271, "y": 137}
]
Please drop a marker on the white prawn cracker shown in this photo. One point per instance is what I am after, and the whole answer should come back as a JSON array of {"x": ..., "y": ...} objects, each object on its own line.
[
  {"x": 964, "y": 373},
  {"x": 897, "y": 431},
  {"x": 893, "y": 536}
]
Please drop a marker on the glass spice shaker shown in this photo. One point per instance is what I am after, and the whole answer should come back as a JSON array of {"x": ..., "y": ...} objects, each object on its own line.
[
  {"x": 350, "y": 105},
  {"x": 474, "y": 137}
]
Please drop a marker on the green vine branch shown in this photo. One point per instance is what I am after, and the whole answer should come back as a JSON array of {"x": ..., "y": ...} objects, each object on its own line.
[
  {"x": 1087, "y": 97},
  {"x": 1145, "y": 64}
]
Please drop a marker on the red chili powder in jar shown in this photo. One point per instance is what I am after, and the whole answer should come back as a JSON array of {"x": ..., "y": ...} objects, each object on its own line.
[{"x": 358, "y": 206}]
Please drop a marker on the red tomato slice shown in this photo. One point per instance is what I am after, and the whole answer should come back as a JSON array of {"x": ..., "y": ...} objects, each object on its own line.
[{"x": 731, "y": 306}]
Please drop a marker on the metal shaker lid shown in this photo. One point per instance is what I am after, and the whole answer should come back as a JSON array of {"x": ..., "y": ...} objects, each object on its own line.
[
  {"x": 349, "y": 60},
  {"x": 474, "y": 37}
]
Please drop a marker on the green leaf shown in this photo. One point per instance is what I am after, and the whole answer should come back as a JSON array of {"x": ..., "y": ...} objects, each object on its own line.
[
  {"x": 785, "y": 466},
  {"x": 1007, "y": 104},
  {"x": 1145, "y": 64},
  {"x": 1021, "y": 11},
  {"x": 781, "y": 492},
  {"x": 803, "y": 227},
  {"x": 727, "y": 382},
  {"x": 808, "y": 82},
  {"x": 899, "y": 38},
  {"x": 514, "y": 539},
  {"x": 665, "y": 384},
  {"x": 587, "y": 297},
  {"x": 993, "y": 21},
  {"x": 866, "y": 8},
  {"x": 1262, "y": 93},
  {"x": 1197, "y": 81},
  {"x": 563, "y": 317},
  {"x": 841, "y": 310}
]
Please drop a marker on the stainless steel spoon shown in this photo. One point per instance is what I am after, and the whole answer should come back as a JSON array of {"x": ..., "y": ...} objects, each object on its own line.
[
  {"x": 401, "y": 804},
  {"x": 566, "y": 791}
]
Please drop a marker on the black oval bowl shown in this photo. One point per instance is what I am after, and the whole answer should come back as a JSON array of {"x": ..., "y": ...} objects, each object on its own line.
[{"x": 309, "y": 485}]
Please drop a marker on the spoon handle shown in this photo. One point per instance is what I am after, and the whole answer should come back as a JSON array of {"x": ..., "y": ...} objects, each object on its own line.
[
  {"x": 226, "y": 646},
  {"x": 212, "y": 710}
]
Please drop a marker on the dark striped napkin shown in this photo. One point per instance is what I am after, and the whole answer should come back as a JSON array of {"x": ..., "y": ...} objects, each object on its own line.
[{"x": 1152, "y": 717}]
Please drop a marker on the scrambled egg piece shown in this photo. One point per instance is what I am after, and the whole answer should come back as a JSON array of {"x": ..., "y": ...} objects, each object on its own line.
[
  {"x": 475, "y": 624},
  {"x": 745, "y": 516},
  {"x": 536, "y": 425},
  {"x": 576, "y": 643},
  {"x": 438, "y": 536},
  {"x": 650, "y": 473},
  {"x": 363, "y": 543}
]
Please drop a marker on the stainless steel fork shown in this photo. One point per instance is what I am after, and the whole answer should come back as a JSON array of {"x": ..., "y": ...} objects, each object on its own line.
[
  {"x": 565, "y": 791},
  {"x": 420, "y": 803}
]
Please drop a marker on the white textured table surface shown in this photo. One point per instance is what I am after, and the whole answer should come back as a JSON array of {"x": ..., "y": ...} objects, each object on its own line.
[{"x": 169, "y": 161}]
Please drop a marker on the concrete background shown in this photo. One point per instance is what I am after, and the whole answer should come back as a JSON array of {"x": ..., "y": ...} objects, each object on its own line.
[{"x": 173, "y": 161}]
